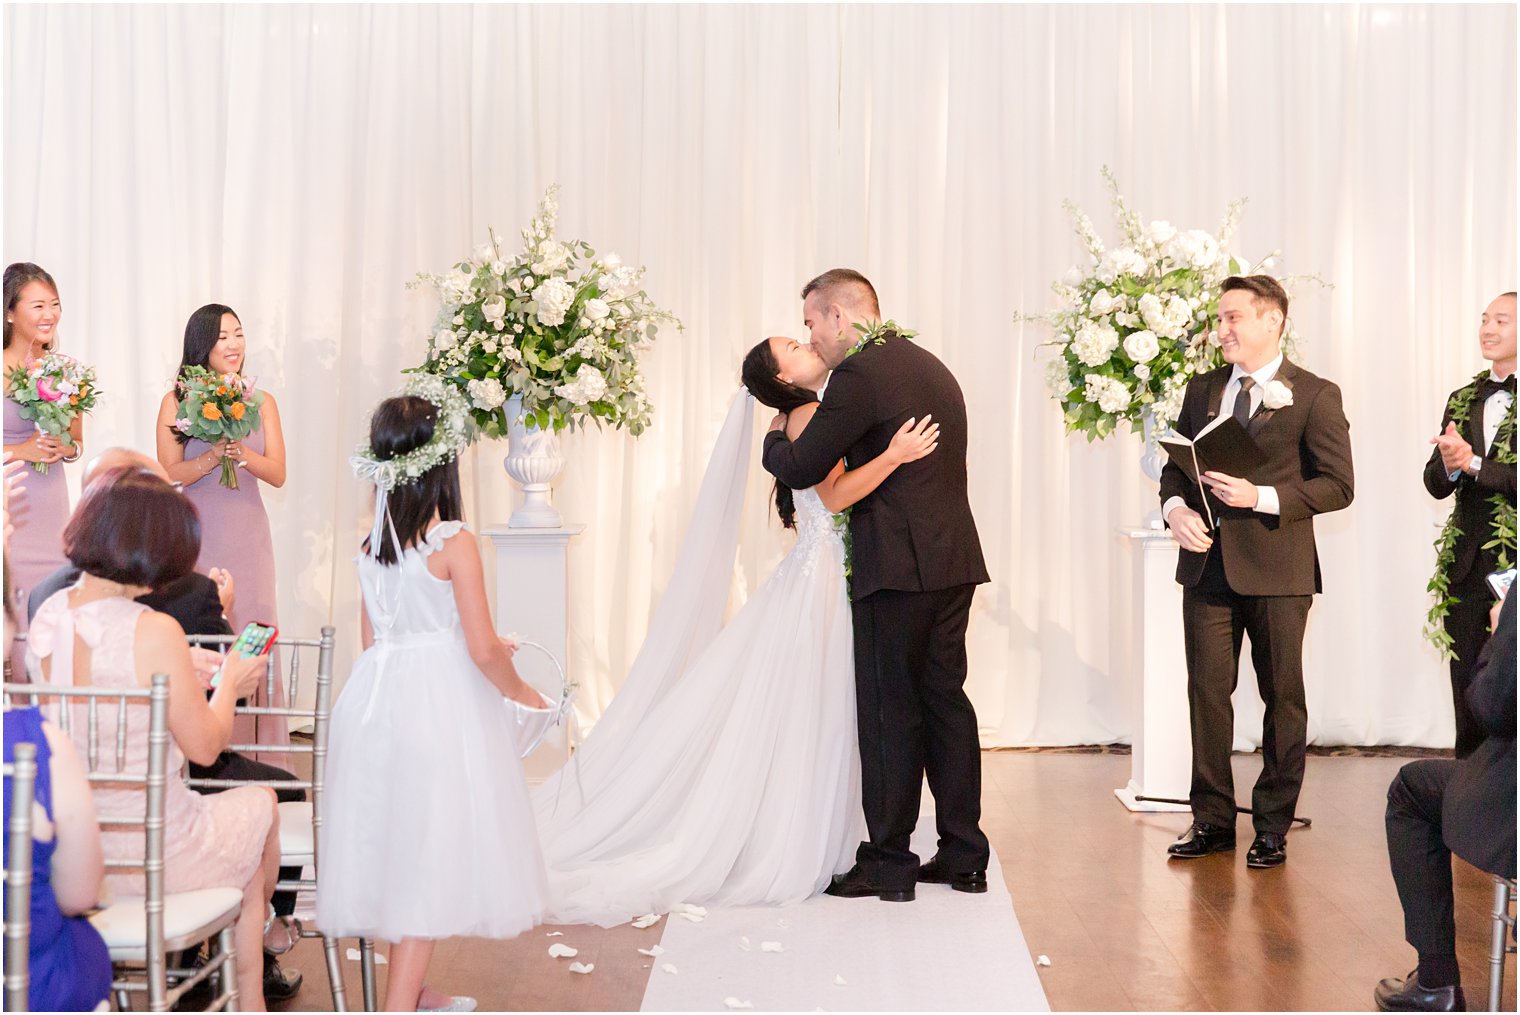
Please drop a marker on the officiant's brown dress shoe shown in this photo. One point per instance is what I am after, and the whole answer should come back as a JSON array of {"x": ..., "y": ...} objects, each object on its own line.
[
  {"x": 1201, "y": 840},
  {"x": 936, "y": 873},
  {"x": 856, "y": 884},
  {"x": 1408, "y": 995}
]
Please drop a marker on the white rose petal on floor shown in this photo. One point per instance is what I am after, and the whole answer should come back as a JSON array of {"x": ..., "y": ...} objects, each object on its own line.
[{"x": 945, "y": 951}]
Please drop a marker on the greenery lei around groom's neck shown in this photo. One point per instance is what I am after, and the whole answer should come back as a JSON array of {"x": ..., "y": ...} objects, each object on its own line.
[
  {"x": 1501, "y": 533},
  {"x": 877, "y": 333}
]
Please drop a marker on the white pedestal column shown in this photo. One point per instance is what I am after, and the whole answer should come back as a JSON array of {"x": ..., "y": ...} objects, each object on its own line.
[
  {"x": 533, "y": 602},
  {"x": 1162, "y": 760}
]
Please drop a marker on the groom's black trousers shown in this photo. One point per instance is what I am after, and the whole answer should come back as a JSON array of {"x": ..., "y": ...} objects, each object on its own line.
[{"x": 915, "y": 720}]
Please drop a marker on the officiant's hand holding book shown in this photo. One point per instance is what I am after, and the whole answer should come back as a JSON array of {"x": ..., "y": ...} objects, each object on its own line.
[{"x": 1217, "y": 458}]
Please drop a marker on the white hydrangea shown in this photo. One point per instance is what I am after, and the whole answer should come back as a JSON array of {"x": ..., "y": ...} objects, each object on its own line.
[
  {"x": 445, "y": 340},
  {"x": 1193, "y": 248},
  {"x": 1160, "y": 233},
  {"x": 553, "y": 297},
  {"x": 550, "y": 257},
  {"x": 589, "y": 386},
  {"x": 1094, "y": 343},
  {"x": 1122, "y": 261},
  {"x": 1109, "y": 393},
  {"x": 1058, "y": 377},
  {"x": 456, "y": 288},
  {"x": 1142, "y": 346},
  {"x": 1168, "y": 406},
  {"x": 486, "y": 393}
]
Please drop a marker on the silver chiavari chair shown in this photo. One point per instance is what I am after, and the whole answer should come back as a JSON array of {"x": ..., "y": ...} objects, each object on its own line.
[
  {"x": 300, "y": 822},
  {"x": 22, "y": 775},
  {"x": 1502, "y": 938},
  {"x": 140, "y": 931}
]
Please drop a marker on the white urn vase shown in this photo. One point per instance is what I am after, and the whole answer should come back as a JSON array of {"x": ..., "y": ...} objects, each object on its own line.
[{"x": 533, "y": 461}]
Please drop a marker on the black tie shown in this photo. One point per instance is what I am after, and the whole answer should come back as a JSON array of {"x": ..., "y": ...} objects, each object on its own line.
[
  {"x": 1489, "y": 386},
  {"x": 1242, "y": 409}
]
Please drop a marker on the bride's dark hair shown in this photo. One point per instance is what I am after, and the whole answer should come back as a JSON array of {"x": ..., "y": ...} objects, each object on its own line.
[{"x": 761, "y": 376}]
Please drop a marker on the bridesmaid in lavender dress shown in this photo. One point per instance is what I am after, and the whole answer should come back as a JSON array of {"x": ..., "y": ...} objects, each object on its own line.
[
  {"x": 234, "y": 526},
  {"x": 32, "y": 310}
]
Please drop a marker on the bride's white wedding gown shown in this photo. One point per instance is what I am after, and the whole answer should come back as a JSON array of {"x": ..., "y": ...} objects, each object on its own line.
[{"x": 726, "y": 769}]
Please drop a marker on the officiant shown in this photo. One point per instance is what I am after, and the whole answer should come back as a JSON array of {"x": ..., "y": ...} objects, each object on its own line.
[{"x": 1255, "y": 570}]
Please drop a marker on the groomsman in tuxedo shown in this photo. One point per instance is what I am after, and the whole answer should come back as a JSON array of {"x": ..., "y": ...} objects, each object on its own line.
[
  {"x": 1256, "y": 572},
  {"x": 1465, "y": 461}
]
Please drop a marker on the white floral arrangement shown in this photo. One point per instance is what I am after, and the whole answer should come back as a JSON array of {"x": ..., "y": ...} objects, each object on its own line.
[
  {"x": 1134, "y": 325},
  {"x": 554, "y": 324}
]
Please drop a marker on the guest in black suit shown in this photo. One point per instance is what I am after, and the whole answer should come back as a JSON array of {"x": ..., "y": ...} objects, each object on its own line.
[
  {"x": 916, "y": 560},
  {"x": 1467, "y": 807},
  {"x": 1256, "y": 574},
  {"x": 199, "y": 603},
  {"x": 1466, "y": 462}
]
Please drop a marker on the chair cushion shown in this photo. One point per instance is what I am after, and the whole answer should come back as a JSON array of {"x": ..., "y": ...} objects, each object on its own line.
[
  {"x": 295, "y": 834},
  {"x": 189, "y": 918}
]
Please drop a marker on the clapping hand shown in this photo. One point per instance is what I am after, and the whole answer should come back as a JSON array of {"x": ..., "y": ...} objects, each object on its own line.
[
  {"x": 226, "y": 588},
  {"x": 912, "y": 442},
  {"x": 1456, "y": 453}
]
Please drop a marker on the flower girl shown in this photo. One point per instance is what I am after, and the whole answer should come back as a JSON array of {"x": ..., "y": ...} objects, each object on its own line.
[{"x": 429, "y": 830}]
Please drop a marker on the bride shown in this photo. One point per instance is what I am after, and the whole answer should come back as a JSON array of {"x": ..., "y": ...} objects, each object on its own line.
[{"x": 726, "y": 769}]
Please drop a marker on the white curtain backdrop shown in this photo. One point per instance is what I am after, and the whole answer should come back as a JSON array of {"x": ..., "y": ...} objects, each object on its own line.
[{"x": 301, "y": 163}]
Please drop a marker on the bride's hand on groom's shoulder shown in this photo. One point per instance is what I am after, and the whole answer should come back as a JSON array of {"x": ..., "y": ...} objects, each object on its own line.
[
  {"x": 778, "y": 422},
  {"x": 915, "y": 439}
]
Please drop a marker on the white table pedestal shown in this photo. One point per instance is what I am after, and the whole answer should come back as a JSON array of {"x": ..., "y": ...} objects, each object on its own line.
[
  {"x": 533, "y": 602},
  {"x": 1161, "y": 762}
]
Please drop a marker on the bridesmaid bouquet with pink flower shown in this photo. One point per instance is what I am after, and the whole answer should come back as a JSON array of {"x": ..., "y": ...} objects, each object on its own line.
[
  {"x": 217, "y": 407},
  {"x": 53, "y": 391}
]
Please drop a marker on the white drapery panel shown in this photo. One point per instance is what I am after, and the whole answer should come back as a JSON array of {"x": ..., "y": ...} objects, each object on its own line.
[{"x": 302, "y": 163}]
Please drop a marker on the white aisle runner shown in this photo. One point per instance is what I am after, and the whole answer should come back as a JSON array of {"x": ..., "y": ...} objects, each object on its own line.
[{"x": 945, "y": 951}]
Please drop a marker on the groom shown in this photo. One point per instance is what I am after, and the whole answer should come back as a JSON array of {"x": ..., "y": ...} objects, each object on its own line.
[{"x": 915, "y": 561}]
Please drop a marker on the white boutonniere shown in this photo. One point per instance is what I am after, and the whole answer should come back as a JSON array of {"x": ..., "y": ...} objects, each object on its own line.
[{"x": 1276, "y": 395}]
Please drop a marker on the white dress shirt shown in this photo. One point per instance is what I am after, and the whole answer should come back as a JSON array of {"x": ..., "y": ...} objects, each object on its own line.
[
  {"x": 1266, "y": 496},
  {"x": 1494, "y": 408}
]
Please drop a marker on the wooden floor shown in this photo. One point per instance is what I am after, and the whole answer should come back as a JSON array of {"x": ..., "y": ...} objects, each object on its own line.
[{"x": 1124, "y": 928}]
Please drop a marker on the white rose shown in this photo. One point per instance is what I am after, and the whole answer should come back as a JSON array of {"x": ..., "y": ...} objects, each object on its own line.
[
  {"x": 1153, "y": 312},
  {"x": 1142, "y": 372},
  {"x": 1161, "y": 232},
  {"x": 1102, "y": 302},
  {"x": 489, "y": 346},
  {"x": 553, "y": 297},
  {"x": 486, "y": 393},
  {"x": 1276, "y": 395},
  {"x": 1073, "y": 276},
  {"x": 445, "y": 340},
  {"x": 494, "y": 308},
  {"x": 612, "y": 261},
  {"x": 1142, "y": 346},
  {"x": 595, "y": 310}
]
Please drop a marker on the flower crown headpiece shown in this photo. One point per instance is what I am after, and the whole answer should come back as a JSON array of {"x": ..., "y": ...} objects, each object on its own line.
[{"x": 452, "y": 433}]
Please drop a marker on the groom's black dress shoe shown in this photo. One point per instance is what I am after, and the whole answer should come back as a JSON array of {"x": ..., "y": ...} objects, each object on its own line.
[
  {"x": 1201, "y": 840},
  {"x": 935, "y": 873},
  {"x": 856, "y": 884},
  {"x": 1408, "y": 995},
  {"x": 1269, "y": 849}
]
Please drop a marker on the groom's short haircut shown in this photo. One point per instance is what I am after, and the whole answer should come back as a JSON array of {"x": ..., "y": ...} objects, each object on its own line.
[
  {"x": 1263, "y": 289},
  {"x": 845, "y": 286}
]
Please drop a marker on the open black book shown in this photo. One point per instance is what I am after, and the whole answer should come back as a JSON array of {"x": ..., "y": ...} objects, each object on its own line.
[{"x": 1222, "y": 446}]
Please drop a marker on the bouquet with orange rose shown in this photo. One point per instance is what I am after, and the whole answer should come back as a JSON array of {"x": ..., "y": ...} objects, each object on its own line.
[
  {"x": 217, "y": 407},
  {"x": 52, "y": 391}
]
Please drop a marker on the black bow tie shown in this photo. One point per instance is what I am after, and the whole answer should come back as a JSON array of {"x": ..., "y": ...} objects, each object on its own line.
[{"x": 1488, "y": 386}]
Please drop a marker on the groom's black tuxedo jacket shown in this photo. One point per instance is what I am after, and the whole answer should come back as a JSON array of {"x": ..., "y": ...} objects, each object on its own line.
[
  {"x": 914, "y": 532},
  {"x": 1475, "y": 515},
  {"x": 1308, "y": 449}
]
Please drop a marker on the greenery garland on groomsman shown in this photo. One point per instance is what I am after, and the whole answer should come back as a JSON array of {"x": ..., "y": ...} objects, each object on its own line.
[{"x": 1501, "y": 534}]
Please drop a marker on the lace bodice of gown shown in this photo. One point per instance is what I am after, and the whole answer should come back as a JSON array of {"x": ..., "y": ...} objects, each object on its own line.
[{"x": 817, "y": 531}]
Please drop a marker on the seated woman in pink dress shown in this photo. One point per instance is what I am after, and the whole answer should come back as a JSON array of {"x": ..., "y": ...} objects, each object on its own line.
[
  {"x": 234, "y": 526},
  {"x": 133, "y": 532}
]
